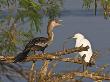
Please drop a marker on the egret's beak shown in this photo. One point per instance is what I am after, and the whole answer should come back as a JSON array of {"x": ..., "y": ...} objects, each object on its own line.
[
  {"x": 74, "y": 37},
  {"x": 70, "y": 37}
]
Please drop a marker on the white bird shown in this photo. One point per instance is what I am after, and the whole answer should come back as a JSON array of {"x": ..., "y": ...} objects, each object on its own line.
[{"x": 82, "y": 41}]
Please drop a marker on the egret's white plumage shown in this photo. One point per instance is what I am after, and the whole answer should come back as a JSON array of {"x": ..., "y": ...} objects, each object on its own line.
[{"x": 81, "y": 40}]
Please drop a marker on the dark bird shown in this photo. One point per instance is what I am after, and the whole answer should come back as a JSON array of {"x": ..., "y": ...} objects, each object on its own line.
[{"x": 39, "y": 43}]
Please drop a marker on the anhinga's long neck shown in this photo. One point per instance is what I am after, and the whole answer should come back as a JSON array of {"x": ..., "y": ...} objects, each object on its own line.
[{"x": 50, "y": 33}]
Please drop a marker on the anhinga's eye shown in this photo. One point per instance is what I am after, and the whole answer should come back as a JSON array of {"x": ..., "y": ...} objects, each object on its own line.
[{"x": 56, "y": 21}]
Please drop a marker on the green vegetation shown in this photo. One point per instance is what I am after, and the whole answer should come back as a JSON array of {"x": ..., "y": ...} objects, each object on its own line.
[{"x": 20, "y": 13}]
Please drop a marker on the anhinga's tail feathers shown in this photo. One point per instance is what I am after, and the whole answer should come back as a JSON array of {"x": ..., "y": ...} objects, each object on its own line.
[{"x": 21, "y": 56}]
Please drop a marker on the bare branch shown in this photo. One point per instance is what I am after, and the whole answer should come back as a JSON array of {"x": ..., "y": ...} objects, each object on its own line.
[
  {"x": 53, "y": 56},
  {"x": 32, "y": 73},
  {"x": 73, "y": 74},
  {"x": 43, "y": 71}
]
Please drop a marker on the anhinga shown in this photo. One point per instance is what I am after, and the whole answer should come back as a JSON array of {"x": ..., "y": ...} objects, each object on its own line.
[{"x": 39, "y": 43}]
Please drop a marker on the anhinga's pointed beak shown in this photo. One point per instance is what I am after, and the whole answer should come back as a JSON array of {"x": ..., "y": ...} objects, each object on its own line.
[{"x": 60, "y": 22}]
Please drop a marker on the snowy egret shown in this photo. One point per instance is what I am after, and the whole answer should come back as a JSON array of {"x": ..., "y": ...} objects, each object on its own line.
[{"x": 82, "y": 41}]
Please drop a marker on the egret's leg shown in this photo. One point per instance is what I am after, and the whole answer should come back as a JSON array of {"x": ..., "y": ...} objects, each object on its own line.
[
  {"x": 83, "y": 69},
  {"x": 86, "y": 66},
  {"x": 83, "y": 65},
  {"x": 83, "y": 61}
]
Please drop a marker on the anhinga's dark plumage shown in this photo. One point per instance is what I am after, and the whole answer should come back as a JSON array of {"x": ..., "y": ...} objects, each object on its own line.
[{"x": 39, "y": 43}]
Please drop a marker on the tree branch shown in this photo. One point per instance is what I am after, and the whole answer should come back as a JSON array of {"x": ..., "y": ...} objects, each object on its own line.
[
  {"x": 43, "y": 71},
  {"x": 73, "y": 75},
  {"x": 53, "y": 56}
]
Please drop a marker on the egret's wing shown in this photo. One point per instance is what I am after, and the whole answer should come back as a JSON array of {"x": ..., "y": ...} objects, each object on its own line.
[
  {"x": 78, "y": 43},
  {"x": 85, "y": 43},
  {"x": 88, "y": 53}
]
